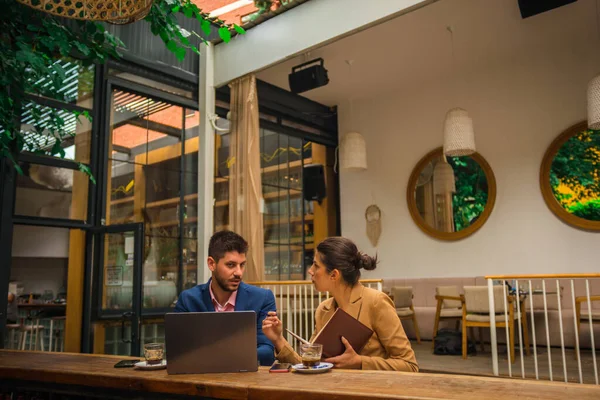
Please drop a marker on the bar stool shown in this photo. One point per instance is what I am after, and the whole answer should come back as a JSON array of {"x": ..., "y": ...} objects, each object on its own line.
[
  {"x": 12, "y": 332},
  {"x": 56, "y": 332},
  {"x": 37, "y": 330}
]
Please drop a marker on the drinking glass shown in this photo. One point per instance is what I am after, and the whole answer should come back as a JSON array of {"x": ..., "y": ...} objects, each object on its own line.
[
  {"x": 311, "y": 354},
  {"x": 154, "y": 353}
]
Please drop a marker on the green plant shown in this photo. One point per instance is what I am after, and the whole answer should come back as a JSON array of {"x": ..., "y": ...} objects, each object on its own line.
[
  {"x": 32, "y": 44},
  {"x": 470, "y": 198}
]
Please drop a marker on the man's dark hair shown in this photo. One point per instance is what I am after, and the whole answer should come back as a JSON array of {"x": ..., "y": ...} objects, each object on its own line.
[{"x": 225, "y": 241}]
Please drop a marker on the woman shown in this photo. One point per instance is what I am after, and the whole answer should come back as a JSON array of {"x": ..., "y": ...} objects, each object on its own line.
[{"x": 336, "y": 269}]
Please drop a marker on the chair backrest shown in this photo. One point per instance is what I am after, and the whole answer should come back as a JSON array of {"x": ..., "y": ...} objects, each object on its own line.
[
  {"x": 477, "y": 299},
  {"x": 453, "y": 291},
  {"x": 402, "y": 296}
]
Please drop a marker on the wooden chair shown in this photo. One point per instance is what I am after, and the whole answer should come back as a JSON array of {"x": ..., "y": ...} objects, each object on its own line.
[
  {"x": 585, "y": 315},
  {"x": 476, "y": 313},
  {"x": 403, "y": 299},
  {"x": 449, "y": 307}
]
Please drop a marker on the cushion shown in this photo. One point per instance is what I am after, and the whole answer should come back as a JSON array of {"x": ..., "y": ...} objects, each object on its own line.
[
  {"x": 486, "y": 317},
  {"x": 450, "y": 312},
  {"x": 404, "y": 312}
]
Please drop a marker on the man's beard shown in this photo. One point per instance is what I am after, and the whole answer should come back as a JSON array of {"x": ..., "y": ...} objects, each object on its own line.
[{"x": 223, "y": 284}]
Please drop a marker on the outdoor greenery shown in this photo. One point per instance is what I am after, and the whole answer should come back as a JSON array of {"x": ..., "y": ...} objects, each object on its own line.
[
  {"x": 31, "y": 42},
  {"x": 574, "y": 175},
  {"x": 470, "y": 198}
]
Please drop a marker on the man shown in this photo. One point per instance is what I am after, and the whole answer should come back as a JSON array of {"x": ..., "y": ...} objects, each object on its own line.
[{"x": 225, "y": 291}]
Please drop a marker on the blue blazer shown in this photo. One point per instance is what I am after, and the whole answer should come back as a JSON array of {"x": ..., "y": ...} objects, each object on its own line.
[{"x": 249, "y": 298}]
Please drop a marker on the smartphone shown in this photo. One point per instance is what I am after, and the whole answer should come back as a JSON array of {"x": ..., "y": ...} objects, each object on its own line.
[
  {"x": 281, "y": 367},
  {"x": 126, "y": 363}
]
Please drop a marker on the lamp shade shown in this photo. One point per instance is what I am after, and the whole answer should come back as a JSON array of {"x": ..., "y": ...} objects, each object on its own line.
[
  {"x": 593, "y": 103},
  {"x": 353, "y": 152},
  {"x": 459, "y": 138},
  {"x": 443, "y": 178},
  {"x": 112, "y": 11}
]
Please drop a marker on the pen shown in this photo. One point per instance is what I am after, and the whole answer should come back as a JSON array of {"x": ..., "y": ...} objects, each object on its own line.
[{"x": 298, "y": 337}]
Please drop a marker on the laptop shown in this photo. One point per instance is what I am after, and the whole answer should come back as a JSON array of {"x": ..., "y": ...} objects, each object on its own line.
[{"x": 211, "y": 342}]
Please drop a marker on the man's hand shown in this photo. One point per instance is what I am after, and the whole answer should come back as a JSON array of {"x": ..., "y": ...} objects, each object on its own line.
[{"x": 348, "y": 360}]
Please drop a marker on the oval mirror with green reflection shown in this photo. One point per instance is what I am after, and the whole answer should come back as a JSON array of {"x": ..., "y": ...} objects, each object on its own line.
[
  {"x": 450, "y": 198},
  {"x": 570, "y": 177}
]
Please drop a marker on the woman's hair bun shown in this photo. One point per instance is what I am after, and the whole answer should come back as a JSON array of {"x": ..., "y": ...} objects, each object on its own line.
[{"x": 366, "y": 261}]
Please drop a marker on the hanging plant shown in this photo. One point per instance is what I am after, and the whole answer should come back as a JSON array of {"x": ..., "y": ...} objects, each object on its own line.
[{"x": 31, "y": 42}]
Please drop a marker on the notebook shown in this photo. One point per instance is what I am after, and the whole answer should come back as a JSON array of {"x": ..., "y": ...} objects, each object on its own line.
[{"x": 342, "y": 324}]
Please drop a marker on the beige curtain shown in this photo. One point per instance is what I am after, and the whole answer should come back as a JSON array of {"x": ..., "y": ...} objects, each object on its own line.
[{"x": 245, "y": 186}]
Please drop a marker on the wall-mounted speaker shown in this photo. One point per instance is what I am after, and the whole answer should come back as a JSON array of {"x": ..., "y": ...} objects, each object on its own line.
[
  {"x": 530, "y": 8},
  {"x": 307, "y": 76},
  {"x": 313, "y": 182}
]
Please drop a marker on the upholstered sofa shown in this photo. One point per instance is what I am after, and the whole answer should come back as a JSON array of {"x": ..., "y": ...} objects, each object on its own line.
[{"x": 425, "y": 308}]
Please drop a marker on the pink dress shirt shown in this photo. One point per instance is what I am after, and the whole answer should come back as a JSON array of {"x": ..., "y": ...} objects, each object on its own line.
[{"x": 228, "y": 307}]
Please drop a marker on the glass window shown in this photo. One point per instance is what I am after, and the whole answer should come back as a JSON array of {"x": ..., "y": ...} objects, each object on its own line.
[{"x": 51, "y": 192}]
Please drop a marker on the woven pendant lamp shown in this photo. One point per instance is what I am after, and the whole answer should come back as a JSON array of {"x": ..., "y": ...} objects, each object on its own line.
[
  {"x": 593, "y": 103},
  {"x": 459, "y": 138},
  {"x": 443, "y": 178},
  {"x": 112, "y": 11},
  {"x": 353, "y": 152}
]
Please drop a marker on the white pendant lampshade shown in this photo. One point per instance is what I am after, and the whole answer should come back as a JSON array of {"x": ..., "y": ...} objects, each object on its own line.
[
  {"x": 353, "y": 152},
  {"x": 593, "y": 103},
  {"x": 443, "y": 178},
  {"x": 459, "y": 138}
]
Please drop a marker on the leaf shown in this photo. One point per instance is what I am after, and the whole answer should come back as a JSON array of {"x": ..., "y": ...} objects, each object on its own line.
[
  {"x": 82, "y": 48},
  {"x": 188, "y": 12},
  {"x": 180, "y": 53},
  {"x": 184, "y": 32},
  {"x": 205, "y": 25},
  {"x": 239, "y": 29},
  {"x": 172, "y": 46},
  {"x": 225, "y": 34},
  {"x": 86, "y": 170}
]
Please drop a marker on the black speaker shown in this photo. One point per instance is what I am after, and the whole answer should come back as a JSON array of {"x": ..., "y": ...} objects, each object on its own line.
[
  {"x": 530, "y": 8},
  {"x": 307, "y": 76},
  {"x": 314, "y": 182}
]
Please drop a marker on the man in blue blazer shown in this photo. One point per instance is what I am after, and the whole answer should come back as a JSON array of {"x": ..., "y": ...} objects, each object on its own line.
[{"x": 225, "y": 291}]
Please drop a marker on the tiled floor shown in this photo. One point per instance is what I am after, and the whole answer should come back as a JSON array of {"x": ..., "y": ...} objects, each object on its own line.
[{"x": 481, "y": 364}]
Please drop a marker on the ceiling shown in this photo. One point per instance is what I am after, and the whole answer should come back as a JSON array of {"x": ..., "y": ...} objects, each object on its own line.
[{"x": 415, "y": 48}]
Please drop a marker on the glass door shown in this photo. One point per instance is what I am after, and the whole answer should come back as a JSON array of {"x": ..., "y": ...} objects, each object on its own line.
[{"x": 117, "y": 299}]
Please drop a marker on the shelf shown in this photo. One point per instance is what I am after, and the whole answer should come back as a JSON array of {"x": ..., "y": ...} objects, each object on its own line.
[
  {"x": 273, "y": 247},
  {"x": 283, "y": 221},
  {"x": 272, "y": 168},
  {"x": 171, "y": 201},
  {"x": 221, "y": 203},
  {"x": 187, "y": 267},
  {"x": 172, "y": 223},
  {"x": 122, "y": 201},
  {"x": 282, "y": 193},
  {"x": 278, "y": 167},
  {"x": 221, "y": 228}
]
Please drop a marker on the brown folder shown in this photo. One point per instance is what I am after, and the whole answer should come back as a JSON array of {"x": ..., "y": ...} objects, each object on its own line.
[{"x": 342, "y": 324}]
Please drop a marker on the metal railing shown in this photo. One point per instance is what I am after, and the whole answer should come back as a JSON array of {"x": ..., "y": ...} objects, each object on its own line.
[
  {"x": 543, "y": 294},
  {"x": 297, "y": 302}
]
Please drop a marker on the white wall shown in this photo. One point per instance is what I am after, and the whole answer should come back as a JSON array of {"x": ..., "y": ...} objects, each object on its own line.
[{"x": 518, "y": 106}]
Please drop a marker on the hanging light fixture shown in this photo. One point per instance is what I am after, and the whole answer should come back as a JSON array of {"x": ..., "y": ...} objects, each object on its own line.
[
  {"x": 353, "y": 152},
  {"x": 593, "y": 103},
  {"x": 112, "y": 11},
  {"x": 353, "y": 148},
  {"x": 459, "y": 137},
  {"x": 443, "y": 178}
]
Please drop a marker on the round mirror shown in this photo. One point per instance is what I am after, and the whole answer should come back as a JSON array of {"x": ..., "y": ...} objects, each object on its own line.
[
  {"x": 570, "y": 177},
  {"x": 449, "y": 198}
]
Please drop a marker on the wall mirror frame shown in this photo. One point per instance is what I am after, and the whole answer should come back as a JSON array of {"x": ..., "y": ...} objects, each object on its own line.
[
  {"x": 432, "y": 231},
  {"x": 545, "y": 181}
]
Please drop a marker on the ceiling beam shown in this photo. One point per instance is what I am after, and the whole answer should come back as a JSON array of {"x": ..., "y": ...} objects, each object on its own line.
[{"x": 311, "y": 25}]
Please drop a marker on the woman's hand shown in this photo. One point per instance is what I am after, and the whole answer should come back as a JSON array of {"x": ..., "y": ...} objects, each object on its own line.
[
  {"x": 273, "y": 329},
  {"x": 347, "y": 360}
]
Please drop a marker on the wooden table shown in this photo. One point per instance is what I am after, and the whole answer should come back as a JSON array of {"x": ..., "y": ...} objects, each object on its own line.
[{"x": 95, "y": 373}]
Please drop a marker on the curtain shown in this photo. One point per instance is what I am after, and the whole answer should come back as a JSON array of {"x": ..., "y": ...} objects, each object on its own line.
[{"x": 245, "y": 186}]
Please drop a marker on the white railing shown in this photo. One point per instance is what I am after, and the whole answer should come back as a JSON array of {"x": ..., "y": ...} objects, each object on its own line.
[
  {"x": 297, "y": 302},
  {"x": 543, "y": 294}
]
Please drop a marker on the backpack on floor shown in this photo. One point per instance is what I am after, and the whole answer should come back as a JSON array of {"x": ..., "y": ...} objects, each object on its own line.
[{"x": 449, "y": 342}]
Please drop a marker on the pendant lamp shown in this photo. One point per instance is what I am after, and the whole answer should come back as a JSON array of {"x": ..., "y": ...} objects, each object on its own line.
[
  {"x": 443, "y": 178},
  {"x": 593, "y": 103},
  {"x": 353, "y": 152},
  {"x": 112, "y": 11},
  {"x": 459, "y": 137}
]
